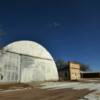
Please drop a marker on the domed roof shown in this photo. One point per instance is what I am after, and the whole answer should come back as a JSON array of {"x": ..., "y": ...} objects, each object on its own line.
[
  {"x": 28, "y": 48},
  {"x": 37, "y": 66}
]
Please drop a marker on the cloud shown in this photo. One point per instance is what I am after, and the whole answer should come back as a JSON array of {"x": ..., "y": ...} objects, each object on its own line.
[{"x": 55, "y": 24}]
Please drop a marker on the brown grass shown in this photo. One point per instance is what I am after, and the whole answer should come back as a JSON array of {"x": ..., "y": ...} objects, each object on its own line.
[
  {"x": 39, "y": 94},
  {"x": 13, "y": 85}
]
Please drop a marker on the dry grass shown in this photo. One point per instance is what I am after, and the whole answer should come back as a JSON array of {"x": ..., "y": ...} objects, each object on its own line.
[
  {"x": 38, "y": 94},
  {"x": 13, "y": 85}
]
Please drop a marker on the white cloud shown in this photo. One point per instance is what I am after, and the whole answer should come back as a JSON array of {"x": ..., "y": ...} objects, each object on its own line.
[{"x": 55, "y": 24}]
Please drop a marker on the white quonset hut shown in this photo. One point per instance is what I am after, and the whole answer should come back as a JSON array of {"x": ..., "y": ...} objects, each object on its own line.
[{"x": 26, "y": 61}]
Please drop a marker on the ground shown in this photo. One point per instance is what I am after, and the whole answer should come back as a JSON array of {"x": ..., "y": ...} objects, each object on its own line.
[
  {"x": 38, "y": 94},
  {"x": 87, "y": 90}
]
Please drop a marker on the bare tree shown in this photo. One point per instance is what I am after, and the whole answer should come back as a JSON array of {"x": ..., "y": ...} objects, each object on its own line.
[{"x": 61, "y": 64}]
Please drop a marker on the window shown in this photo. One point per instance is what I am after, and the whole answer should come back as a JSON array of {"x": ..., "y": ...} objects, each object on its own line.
[{"x": 1, "y": 77}]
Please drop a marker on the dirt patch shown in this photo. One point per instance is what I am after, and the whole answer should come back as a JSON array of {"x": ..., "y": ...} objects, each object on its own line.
[
  {"x": 98, "y": 93},
  {"x": 13, "y": 86},
  {"x": 39, "y": 94}
]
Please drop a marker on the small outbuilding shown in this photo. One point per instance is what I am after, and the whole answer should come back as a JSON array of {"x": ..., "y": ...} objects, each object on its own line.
[
  {"x": 70, "y": 72},
  {"x": 90, "y": 74}
]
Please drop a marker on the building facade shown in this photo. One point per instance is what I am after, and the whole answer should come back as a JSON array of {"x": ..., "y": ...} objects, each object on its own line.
[
  {"x": 26, "y": 61},
  {"x": 70, "y": 72},
  {"x": 74, "y": 71},
  {"x": 90, "y": 74}
]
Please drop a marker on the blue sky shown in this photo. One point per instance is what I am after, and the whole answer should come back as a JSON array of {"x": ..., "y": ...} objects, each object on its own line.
[{"x": 69, "y": 29}]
